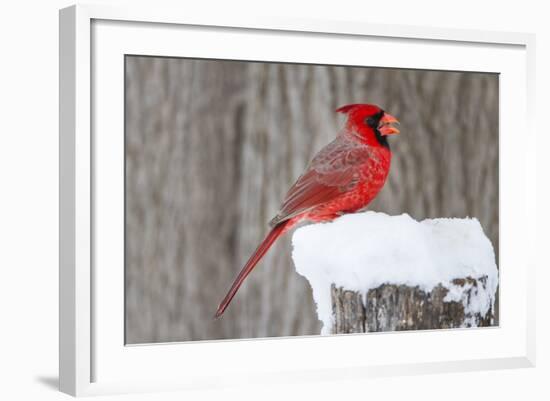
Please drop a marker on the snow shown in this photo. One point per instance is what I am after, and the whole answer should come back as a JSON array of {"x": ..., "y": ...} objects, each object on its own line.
[{"x": 362, "y": 251}]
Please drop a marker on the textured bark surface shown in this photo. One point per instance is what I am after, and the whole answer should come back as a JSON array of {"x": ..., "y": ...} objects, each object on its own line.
[
  {"x": 212, "y": 147},
  {"x": 400, "y": 307}
]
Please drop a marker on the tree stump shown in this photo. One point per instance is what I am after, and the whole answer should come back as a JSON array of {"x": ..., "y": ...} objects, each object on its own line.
[{"x": 391, "y": 307}]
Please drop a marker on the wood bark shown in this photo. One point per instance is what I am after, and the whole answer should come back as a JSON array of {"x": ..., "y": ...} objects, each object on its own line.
[{"x": 391, "y": 307}]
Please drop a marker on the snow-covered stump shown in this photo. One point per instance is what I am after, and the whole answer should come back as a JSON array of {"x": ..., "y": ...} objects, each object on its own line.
[{"x": 374, "y": 272}]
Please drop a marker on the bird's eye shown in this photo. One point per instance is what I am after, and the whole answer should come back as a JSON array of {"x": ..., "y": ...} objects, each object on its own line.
[{"x": 371, "y": 122}]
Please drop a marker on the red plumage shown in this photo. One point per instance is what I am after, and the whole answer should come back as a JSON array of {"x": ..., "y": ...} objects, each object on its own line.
[{"x": 345, "y": 176}]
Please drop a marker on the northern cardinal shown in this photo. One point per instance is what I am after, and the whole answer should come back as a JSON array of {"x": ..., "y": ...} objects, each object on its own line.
[{"x": 343, "y": 177}]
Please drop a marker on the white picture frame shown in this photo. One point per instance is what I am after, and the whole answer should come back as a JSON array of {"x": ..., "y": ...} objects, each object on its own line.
[{"x": 93, "y": 357}]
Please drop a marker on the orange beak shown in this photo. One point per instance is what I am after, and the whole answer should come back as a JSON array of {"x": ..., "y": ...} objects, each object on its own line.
[{"x": 386, "y": 127}]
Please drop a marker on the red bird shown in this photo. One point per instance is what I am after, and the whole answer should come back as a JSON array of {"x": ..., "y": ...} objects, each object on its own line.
[{"x": 345, "y": 176}]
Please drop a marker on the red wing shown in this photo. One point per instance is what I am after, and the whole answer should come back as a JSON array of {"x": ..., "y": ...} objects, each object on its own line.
[{"x": 332, "y": 172}]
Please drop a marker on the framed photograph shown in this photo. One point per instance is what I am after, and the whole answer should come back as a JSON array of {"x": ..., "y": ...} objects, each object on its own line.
[{"x": 295, "y": 200}]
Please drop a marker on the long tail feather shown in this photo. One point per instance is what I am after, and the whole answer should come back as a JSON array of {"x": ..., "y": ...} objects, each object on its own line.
[{"x": 252, "y": 262}]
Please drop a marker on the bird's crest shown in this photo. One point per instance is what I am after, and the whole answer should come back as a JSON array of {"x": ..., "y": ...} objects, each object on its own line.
[{"x": 346, "y": 108}]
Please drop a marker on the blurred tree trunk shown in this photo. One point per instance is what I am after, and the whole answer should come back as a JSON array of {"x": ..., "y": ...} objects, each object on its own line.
[{"x": 212, "y": 147}]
